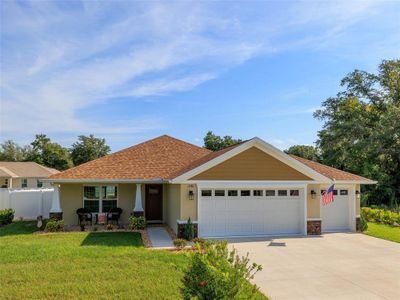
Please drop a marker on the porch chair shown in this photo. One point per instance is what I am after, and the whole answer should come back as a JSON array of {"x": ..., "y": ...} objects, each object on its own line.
[
  {"x": 114, "y": 215},
  {"x": 84, "y": 216}
]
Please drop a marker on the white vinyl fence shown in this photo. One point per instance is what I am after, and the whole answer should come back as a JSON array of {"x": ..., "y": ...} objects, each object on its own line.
[{"x": 27, "y": 203}]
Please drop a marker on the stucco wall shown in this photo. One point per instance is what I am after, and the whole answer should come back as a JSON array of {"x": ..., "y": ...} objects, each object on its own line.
[
  {"x": 71, "y": 198},
  {"x": 188, "y": 207},
  {"x": 173, "y": 207},
  {"x": 358, "y": 204},
  {"x": 126, "y": 200},
  {"x": 313, "y": 205},
  {"x": 251, "y": 164}
]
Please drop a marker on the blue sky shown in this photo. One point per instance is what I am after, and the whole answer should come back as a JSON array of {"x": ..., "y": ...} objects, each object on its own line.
[{"x": 129, "y": 71}]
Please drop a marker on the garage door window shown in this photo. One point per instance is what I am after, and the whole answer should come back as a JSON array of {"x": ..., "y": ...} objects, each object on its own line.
[
  {"x": 257, "y": 193},
  {"x": 219, "y": 193},
  {"x": 206, "y": 193},
  {"x": 232, "y": 193},
  {"x": 245, "y": 193},
  {"x": 270, "y": 193},
  {"x": 335, "y": 192},
  {"x": 344, "y": 192},
  {"x": 294, "y": 193},
  {"x": 282, "y": 192}
]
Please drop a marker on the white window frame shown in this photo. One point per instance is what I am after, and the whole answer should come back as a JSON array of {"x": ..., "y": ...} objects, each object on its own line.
[
  {"x": 100, "y": 196},
  {"x": 22, "y": 183}
]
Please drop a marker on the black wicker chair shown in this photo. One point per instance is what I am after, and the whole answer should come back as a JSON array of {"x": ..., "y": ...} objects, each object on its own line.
[
  {"x": 84, "y": 216},
  {"x": 114, "y": 215}
]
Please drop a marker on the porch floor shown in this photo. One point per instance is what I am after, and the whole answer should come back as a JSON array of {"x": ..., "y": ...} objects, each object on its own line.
[{"x": 159, "y": 237}]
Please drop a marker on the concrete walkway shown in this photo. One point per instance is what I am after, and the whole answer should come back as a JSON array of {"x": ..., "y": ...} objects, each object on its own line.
[
  {"x": 333, "y": 266},
  {"x": 159, "y": 237}
]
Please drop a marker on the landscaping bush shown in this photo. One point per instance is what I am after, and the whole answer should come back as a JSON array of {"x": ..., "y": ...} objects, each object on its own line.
[
  {"x": 188, "y": 231},
  {"x": 54, "y": 225},
  {"x": 363, "y": 222},
  {"x": 6, "y": 216},
  {"x": 199, "y": 241},
  {"x": 381, "y": 216},
  {"x": 217, "y": 273},
  {"x": 180, "y": 243},
  {"x": 137, "y": 223},
  {"x": 110, "y": 227}
]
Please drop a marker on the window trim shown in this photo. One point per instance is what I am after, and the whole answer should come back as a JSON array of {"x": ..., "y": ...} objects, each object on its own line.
[{"x": 100, "y": 196}]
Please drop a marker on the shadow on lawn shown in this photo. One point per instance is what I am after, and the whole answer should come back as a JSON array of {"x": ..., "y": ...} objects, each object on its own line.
[
  {"x": 18, "y": 227},
  {"x": 113, "y": 239}
]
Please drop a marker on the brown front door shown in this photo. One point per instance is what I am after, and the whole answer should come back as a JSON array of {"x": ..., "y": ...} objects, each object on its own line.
[{"x": 154, "y": 198}]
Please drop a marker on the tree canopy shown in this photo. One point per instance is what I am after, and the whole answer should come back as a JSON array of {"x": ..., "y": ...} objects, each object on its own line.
[
  {"x": 305, "y": 151},
  {"x": 215, "y": 142},
  {"x": 88, "y": 148},
  {"x": 361, "y": 131}
]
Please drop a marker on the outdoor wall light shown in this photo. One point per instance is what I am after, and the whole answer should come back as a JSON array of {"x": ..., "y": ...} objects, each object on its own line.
[
  {"x": 313, "y": 194},
  {"x": 191, "y": 195},
  {"x": 358, "y": 194}
]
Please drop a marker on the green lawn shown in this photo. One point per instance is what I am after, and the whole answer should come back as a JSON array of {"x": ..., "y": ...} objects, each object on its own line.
[
  {"x": 383, "y": 231},
  {"x": 85, "y": 265}
]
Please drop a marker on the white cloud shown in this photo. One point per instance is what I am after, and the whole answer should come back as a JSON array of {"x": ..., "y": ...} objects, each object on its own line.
[{"x": 61, "y": 57}]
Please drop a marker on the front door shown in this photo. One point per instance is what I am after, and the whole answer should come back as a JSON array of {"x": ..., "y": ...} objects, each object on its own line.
[{"x": 154, "y": 197}]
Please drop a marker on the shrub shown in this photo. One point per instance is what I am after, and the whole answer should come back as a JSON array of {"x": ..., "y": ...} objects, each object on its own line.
[
  {"x": 137, "y": 223},
  {"x": 381, "y": 216},
  {"x": 217, "y": 273},
  {"x": 188, "y": 231},
  {"x": 363, "y": 222},
  {"x": 199, "y": 241},
  {"x": 180, "y": 243},
  {"x": 6, "y": 216},
  {"x": 110, "y": 227},
  {"x": 54, "y": 225}
]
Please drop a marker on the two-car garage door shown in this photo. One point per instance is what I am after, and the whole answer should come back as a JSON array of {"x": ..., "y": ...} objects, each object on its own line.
[{"x": 251, "y": 212}]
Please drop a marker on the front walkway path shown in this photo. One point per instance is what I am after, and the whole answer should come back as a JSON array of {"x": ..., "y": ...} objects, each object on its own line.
[{"x": 159, "y": 237}]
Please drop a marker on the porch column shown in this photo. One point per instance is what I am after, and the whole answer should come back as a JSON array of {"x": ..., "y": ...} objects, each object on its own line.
[
  {"x": 55, "y": 210},
  {"x": 138, "y": 210}
]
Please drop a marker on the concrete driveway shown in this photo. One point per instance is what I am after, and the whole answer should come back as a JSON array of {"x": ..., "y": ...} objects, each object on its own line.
[{"x": 333, "y": 266}]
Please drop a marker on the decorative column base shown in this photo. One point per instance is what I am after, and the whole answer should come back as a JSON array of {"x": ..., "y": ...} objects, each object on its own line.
[
  {"x": 358, "y": 224},
  {"x": 56, "y": 215},
  {"x": 181, "y": 228},
  {"x": 138, "y": 214},
  {"x": 313, "y": 227}
]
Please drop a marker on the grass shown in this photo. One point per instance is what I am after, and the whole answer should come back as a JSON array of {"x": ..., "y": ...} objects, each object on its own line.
[
  {"x": 85, "y": 265},
  {"x": 383, "y": 231}
]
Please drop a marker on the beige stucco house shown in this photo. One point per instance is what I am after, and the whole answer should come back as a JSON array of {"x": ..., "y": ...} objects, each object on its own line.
[
  {"x": 19, "y": 175},
  {"x": 249, "y": 189}
]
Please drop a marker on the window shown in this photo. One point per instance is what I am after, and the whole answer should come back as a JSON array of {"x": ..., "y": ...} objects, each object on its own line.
[
  {"x": 344, "y": 192},
  {"x": 206, "y": 193},
  {"x": 245, "y": 193},
  {"x": 294, "y": 193},
  {"x": 100, "y": 198},
  {"x": 334, "y": 192},
  {"x": 232, "y": 193},
  {"x": 24, "y": 182},
  {"x": 270, "y": 193},
  {"x": 282, "y": 192},
  {"x": 257, "y": 193},
  {"x": 39, "y": 183},
  {"x": 219, "y": 193}
]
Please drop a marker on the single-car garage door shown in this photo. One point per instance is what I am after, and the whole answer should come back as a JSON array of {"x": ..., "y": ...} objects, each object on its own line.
[
  {"x": 335, "y": 216},
  {"x": 250, "y": 212}
]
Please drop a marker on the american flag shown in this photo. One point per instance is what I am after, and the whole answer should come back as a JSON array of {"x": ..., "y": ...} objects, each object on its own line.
[{"x": 327, "y": 197}]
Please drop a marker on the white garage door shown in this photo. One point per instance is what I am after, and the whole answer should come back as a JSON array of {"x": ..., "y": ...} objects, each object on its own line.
[
  {"x": 250, "y": 212},
  {"x": 335, "y": 216}
]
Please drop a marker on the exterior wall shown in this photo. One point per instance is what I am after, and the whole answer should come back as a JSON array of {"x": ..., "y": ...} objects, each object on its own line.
[
  {"x": 32, "y": 182},
  {"x": 313, "y": 205},
  {"x": 126, "y": 200},
  {"x": 71, "y": 198},
  {"x": 252, "y": 164},
  {"x": 173, "y": 207},
  {"x": 188, "y": 207}
]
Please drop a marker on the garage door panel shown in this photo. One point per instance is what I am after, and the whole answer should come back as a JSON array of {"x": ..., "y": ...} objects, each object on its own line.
[
  {"x": 248, "y": 215},
  {"x": 335, "y": 216}
]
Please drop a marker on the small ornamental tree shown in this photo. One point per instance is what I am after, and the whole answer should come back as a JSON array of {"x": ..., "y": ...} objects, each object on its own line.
[{"x": 188, "y": 232}]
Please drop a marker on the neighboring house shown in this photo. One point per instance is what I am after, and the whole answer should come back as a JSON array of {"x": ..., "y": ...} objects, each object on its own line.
[
  {"x": 18, "y": 175},
  {"x": 248, "y": 189}
]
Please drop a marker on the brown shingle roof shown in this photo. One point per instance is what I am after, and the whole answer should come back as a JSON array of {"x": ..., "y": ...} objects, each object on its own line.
[
  {"x": 331, "y": 173},
  {"x": 155, "y": 159},
  {"x": 166, "y": 158},
  {"x": 26, "y": 169}
]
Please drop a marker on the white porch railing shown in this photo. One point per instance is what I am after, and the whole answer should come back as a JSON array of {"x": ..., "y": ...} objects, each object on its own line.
[{"x": 27, "y": 203}]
